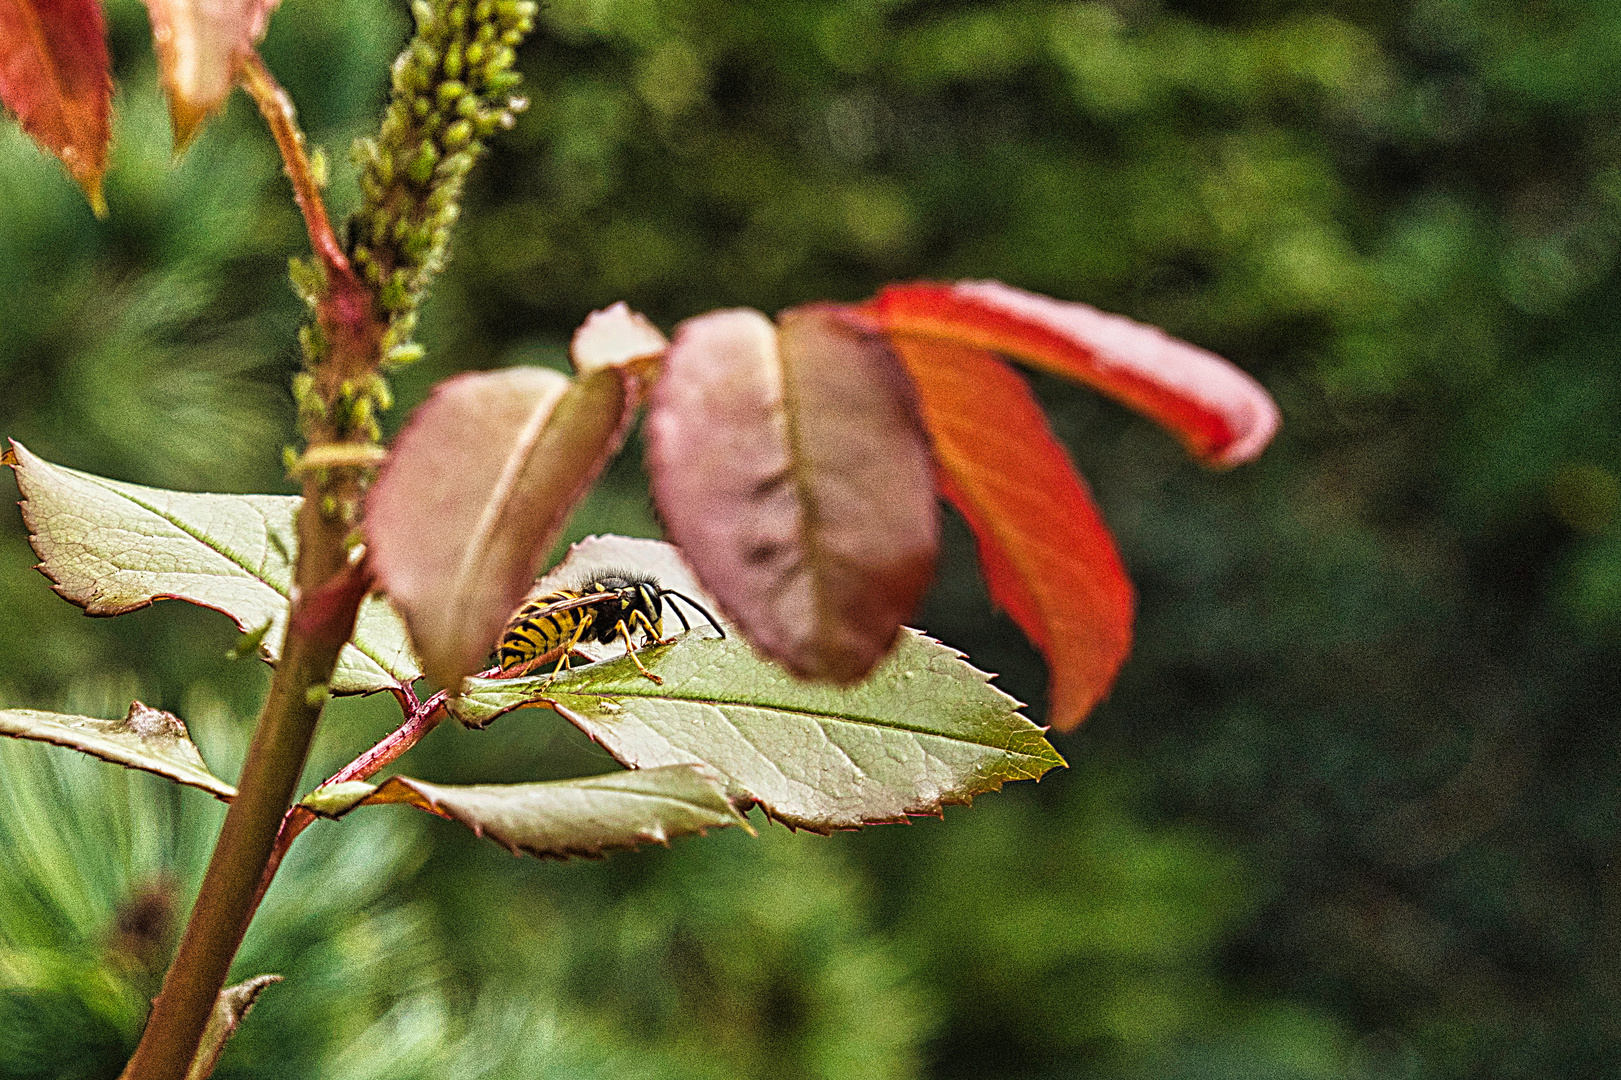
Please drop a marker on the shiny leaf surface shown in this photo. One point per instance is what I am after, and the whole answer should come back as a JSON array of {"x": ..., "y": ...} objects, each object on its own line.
[{"x": 924, "y": 730}]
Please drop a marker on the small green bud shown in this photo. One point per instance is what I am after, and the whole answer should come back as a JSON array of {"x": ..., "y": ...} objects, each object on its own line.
[
  {"x": 401, "y": 329},
  {"x": 453, "y": 63},
  {"x": 380, "y": 392},
  {"x": 458, "y": 134},
  {"x": 417, "y": 246},
  {"x": 450, "y": 91},
  {"x": 475, "y": 54},
  {"x": 396, "y": 295},
  {"x": 307, "y": 280},
  {"x": 318, "y": 167},
  {"x": 421, "y": 168},
  {"x": 400, "y": 355},
  {"x": 360, "y": 414},
  {"x": 459, "y": 164},
  {"x": 316, "y": 696}
]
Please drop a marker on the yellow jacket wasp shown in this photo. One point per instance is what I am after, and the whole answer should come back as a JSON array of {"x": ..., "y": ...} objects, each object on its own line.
[{"x": 612, "y": 606}]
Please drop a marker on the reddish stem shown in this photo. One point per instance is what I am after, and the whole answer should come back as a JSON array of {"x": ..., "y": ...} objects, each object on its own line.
[
  {"x": 421, "y": 718},
  {"x": 277, "y": 109}
]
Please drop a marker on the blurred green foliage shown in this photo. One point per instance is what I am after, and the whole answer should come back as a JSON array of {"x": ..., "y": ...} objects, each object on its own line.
[{"x": 1351, "y": 811}]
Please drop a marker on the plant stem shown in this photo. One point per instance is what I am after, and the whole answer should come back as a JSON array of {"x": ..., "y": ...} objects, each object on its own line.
[
  {"x": 327, "y": 592},
  {"x": 277, "y": 109},
  {"x": 421, "y": 719},
  {"x": 270, "y": 775}
]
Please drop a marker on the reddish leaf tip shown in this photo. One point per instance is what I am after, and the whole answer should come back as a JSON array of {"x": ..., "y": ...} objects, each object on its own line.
[{"x": 1220, "y": 413}]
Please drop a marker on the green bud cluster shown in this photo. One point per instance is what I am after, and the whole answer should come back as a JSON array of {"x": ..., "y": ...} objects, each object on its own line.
[{"x": 452, "y": 90}]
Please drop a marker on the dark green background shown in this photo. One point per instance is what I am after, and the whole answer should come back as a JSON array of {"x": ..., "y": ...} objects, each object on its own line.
[{"x": 1351, "y": 810}]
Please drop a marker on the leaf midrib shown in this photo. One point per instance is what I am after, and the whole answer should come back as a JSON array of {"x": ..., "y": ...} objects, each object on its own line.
[
  {"x": 227, "y": 553},
  {"x": 814, "y": 715}
]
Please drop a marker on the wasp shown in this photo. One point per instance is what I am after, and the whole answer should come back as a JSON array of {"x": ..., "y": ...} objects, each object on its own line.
[{"x": 616, "y": 605}]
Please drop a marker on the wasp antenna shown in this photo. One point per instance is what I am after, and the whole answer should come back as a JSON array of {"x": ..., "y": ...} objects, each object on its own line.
[{"x": 696, "y": 606}]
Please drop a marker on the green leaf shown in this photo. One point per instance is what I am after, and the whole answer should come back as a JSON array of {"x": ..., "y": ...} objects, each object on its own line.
[
  {"x": 112, "y": 547},
  {"x": 146, "y": 738},
  {"x": 926, "y": 729},
  {"x": 229, "y": 1009},
  {"x": 584, "y": 817}
]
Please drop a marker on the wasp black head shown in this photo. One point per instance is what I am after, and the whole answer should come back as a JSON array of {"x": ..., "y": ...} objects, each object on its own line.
[{"x": 641, "y": 594}]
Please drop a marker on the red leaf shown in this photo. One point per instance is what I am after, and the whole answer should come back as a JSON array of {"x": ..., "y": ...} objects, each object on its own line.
[
  {"x": 1047, "y": 555},
  {"x": 1222, "y": 416},
  {"x": 55, "y": 75},
  {"x": 476, "y": 489},
  {"x": 789, "y": 466},
  {"x": 199, "y": 44}
]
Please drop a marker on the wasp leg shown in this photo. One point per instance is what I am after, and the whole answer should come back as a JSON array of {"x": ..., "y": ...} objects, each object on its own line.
[
  {"x": 568, "y": 651},
  {"x": 640, "y": 622},
  {"x": 630, "y": 651}
]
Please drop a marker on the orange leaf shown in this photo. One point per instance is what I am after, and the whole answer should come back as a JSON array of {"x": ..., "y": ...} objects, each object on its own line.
[
  {"x": 1222, "y": 416},
  {"x": 55, "y": 75},
  {"x": 1047, "y": 555}
]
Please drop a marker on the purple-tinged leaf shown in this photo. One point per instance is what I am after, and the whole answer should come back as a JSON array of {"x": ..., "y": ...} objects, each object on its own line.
[
  {"x": 199, "y": 45},
  {"x": 788, "y": 463},
  {"x": 476, "y": 489}
]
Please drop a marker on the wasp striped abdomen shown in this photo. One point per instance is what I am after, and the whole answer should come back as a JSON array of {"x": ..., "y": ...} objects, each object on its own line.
[
  {"x": 539, "y": 628},
  {"x": 615, "y": 606}
]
